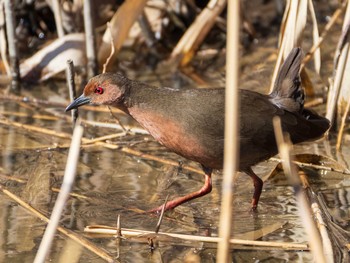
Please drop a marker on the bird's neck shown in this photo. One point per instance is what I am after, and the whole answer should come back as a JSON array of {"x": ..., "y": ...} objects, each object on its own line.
[{"x": 142, "y": 96}]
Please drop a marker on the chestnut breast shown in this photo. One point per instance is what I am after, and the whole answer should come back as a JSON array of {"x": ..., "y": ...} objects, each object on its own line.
[{"x": 188, "y": 122}]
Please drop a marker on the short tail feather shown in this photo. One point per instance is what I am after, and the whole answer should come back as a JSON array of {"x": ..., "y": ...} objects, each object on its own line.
[{"x": 288, "y": 93}]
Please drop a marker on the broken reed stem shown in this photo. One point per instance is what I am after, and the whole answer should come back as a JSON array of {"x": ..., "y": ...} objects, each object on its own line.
[
  {"x": 70, "y": 234},
  {"x": 58, "y": 116},
  {"x": 3, "y": 41},
  {"x": 315, "y": 166},
  {"x": 67, "y": 184},
  {"x": 105, "y": 65},
  {"x": 327, "y": 245},
  {"x": 71, "y": 87},
  {"x": 320, "y": 217},
  {"x": 36, "y": 102},
  {"x": 12, "y": 45},
  {"x": 117, "y": 119},
  {"x": 231, "y": 147},
  {"x": 98, "y": 229},
  {"x": 38, "y": 129},
  {"x": 89, "y": 25},
  {"x": 58, "y": 18},
  {"x": 161, "y": 215},
  {"x": 290, "y": 170},
  {"x": 119, "y": 229},
  {"x": 28, "y": 115},
  {"x": 342, "y": 125},
  {"x": 324, "y": 33},
  {"x": 196, "y": 33},
  {"x": 340, "y": 64}
]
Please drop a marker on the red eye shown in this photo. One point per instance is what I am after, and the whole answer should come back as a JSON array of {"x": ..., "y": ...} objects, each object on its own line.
[{"x": 99, "y": 90}]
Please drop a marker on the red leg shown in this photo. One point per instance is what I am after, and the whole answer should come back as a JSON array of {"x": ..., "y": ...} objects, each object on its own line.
[
  {"x": 258, "y": 185},
  {"x": 206, "y": 188}
]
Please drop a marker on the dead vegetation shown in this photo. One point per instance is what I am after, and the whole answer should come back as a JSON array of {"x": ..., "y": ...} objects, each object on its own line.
[{"x": 186, "y": 39}]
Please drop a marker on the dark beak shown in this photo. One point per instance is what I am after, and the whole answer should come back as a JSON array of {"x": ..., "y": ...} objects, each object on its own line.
[{"x": 82, "y": 100}]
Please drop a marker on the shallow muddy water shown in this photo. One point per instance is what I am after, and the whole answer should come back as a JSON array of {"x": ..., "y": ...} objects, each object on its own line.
[
  {"x": 34, "y": 141},
  {"x": 111, "y": 182}
]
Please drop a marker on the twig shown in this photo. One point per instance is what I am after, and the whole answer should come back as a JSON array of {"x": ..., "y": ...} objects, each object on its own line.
[
  {"x": 315, "y": 166},
  {"x": 71, "y": 87},
  {"x": 67, "y": 184},
  {"x": 161, "y": 215},
  {"x": 117, "y": 119},
  {"x": 27, "y": 115},
  {"x": 316, "y": 37},
  {"x": 112, "y": 49},
  {"x": 342, "y": 124},
  {"x": 57, "y": 190},
  {"x": 341, "y": 60},
  {"x": 195, "y": 34},
  {"x": 79, "y": 239},
  {"x": 99, "y": 229},
  {"x": 321, "y": 217},
  {"x": 31, "y": 100},
  {"x": 36, "y": 101},
  {"x": 119, "y": 229},
  {"x": 58, "y": 18},
  {"x": 92, "y": 66},
  {"x": 231, "y": 147},
  {"x": 38, "y": 129},
  {"x": 12, "y": 178},
  {"x": 314, "y": 102},
  {"x": 325, "y": 32},
  {"x": 3, "y": 42},
  {"x": 12, "y": 45}
]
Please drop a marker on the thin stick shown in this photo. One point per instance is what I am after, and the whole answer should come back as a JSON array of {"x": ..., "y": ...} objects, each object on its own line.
[
  {"x": 195, "y": 34},
  {"x": 117, "y": 119},
  {"x": 92, "y": 66},
  {"x": 112, "y": 49},
  {"x": 119, "y": 229},
  {"x": 12, "y": 45},
  {"x": 29, "y": 115},
  {"x": 68, "y": 180},
  {"x": 342, "y": 125},
  {"x": 3, "y": 42},
  {"x": 340, "y": 61},
  {"x": 39, "y": 129},
  {"x": 70, "y": 234},
  {"x": 71, "y": 87},
  {"x": 315, "y": 166},
  {"x": 322, "y": 218},
  {"x": 137, "y": 233},
  {"x": 231, "y": 147},
  {"x": 325, "y": 32},
  {"x": 161, "y": 215},
  {"x": 327, "y": 244},
  {"x": 58, "y": 19}
]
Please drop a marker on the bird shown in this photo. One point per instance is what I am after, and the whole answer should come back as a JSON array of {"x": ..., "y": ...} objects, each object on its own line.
[{"x": 190, "y": 122}]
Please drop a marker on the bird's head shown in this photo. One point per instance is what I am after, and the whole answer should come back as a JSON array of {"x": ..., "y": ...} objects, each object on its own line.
[{"x": 104, "y": 89}]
